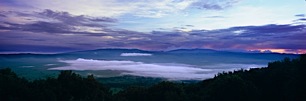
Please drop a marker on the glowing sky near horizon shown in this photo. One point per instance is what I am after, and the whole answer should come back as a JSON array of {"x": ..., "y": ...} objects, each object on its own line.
[{"x": 235, "y": 25}]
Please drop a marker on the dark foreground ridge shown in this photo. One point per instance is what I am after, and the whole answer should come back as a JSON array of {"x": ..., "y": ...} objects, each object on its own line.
[{"x": 281, "y": 81}]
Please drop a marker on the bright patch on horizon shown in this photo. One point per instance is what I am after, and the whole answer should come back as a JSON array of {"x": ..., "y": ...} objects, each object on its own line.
[
  {"x": 283, "y": 51},
  {"x": 135, "y": 54}
]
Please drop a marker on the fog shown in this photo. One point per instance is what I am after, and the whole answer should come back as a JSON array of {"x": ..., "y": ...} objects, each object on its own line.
[{"x": 171, "y": 71}]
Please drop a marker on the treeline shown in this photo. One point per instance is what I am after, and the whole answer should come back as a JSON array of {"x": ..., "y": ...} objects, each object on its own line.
[
  {"x": 281, "y": 81},
  {"x": 68, "y": 86}
]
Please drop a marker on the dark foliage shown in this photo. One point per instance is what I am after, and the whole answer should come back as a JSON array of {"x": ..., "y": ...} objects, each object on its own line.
[
  {"x": 67, "y": 87},
  {"x": 281, "y": 81}
]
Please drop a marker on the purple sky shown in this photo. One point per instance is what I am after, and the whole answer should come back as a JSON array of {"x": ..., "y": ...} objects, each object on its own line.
[{"x": 71, "y": 25}]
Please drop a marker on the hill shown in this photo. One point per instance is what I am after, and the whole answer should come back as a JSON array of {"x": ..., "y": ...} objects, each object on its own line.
[{"x": 281, "y": 81}]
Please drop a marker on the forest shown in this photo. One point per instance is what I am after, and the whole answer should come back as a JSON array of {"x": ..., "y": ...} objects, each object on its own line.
[{"x": 283, "y": 80}]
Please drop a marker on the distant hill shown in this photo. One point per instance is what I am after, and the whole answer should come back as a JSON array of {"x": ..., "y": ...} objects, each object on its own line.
[{"x": 34, "y": 66}]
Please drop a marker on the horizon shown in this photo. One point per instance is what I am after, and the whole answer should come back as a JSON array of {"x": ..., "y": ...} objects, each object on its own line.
[
  {"x": 190, "y": 49},
  {"x": 36, "y": 26}
]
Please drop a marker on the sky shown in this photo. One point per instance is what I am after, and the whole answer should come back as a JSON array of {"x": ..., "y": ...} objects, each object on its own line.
[{"x": 157, "y": 25}]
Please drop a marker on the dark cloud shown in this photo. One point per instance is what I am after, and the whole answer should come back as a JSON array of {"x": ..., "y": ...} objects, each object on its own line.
[
  {"x": 214, "y": 4},
  {"x": 300, "y": 15},
  {"x": 245, "y": 37},
  {"x": 34, "y": 48},
  {"x": 55, "y": 22},
  {"x": 214, "y": 17},
  {"x": 104, "y": 19},
  {"x": 2, "y": 15},
  {"x": 39, "y": 27},
  {"x": 80, "y": 20},
  {"x": 3, "y": 27},
  {"x": 189, "y": 25},
  {"x": 179, "y": 28},
  {"x": 302, "y": 19},
  {"x": 269, "y": 29},
  {"x": 47, "y": 27},
  {"x": 209, "y": 6},
  {"x": 15, "y": 13}
]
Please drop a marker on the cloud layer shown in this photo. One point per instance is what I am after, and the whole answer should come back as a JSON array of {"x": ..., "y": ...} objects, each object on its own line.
[{"x": 63, "y": 31}]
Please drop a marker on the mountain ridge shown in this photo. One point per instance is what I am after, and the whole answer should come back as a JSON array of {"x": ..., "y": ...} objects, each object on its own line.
[{"x": 195, "y": 50}]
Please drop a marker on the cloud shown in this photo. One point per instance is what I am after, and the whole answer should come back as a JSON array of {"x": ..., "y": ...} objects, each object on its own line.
[
  {"x": 300, "y": 15},
  {"x": 302, "y": 19},
  {"x": 214, "y": 4},
  {"x": 104, "y": 19},
  {"x": 270, "y": 29},
  {"x": 67, "y": 18},
  {"x": 40, "y": 26},
  {"x": 135, "y": 54},
  {"x": 214, "y": 17},
  {"x": 34, "y": 48},
  {"x": 55, "y": 22},
  {"x": 1, "y": 15},
  {"x": 189, "y": 25}
]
